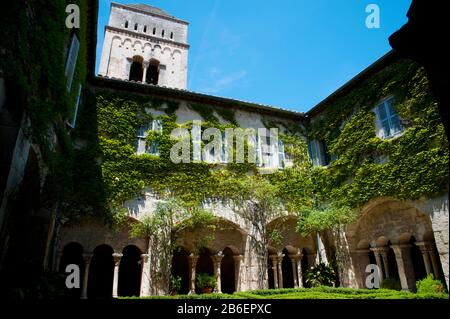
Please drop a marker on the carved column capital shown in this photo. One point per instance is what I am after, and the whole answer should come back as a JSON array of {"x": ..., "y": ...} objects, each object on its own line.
[{"x": 117, "y": 257}]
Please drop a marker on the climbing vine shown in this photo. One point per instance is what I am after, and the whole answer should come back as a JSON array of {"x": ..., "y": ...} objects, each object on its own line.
[{"x": 411, "y": 166}]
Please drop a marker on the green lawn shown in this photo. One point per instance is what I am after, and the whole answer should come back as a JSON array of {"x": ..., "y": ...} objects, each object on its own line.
[{"x": 310, "y": 293}]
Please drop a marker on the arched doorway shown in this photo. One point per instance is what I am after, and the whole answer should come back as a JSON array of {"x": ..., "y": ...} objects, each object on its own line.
[
  {"x": 417, "y": 260},
  {"x": 101, "y": 273},
  {"x": 130, "y": 272},
  {"x": 204, "y": 264},
  {"x": 180, "y": 268},
  {"x": 286, "y": 267},
  {"x": 153, "y": 72},
  {"x": 72, "y": 254},
  {"x": 227, "y": 272},
  {"x": 136, "y": 69}
]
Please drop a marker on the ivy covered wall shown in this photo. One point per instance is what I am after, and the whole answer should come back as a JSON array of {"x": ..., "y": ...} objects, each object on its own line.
[{"x": 415, "y": 164}]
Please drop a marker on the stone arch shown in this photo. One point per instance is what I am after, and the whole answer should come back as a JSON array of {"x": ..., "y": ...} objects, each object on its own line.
[
  {"x": 130, "y": 271},
  {"x": 389, "y": 226},
  {"x": 290, "y": 239},
  {"x": 101, "y": 272},
  {"x": 137, "y": 45},
  {"x": 127, "y": 43},
  {"x": 166, "y": 51}
]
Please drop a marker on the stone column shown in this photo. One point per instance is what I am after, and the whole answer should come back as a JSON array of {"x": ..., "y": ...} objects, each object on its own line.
[
  {"x": 363, "y": 261},
  {"x": 434, "y": 262},
  {"x": 117, "y": 258},
  {"x": 384, "y": 256},
  {"x": 274, "y": 260},
  {"x": 405, "y": 266},
  {"x": 424, "y": 249},
  {"x": 237, "y": 271},
  {"x": 217, "y": 259},
  {"x": 379, "y": 260},
  {"x": 144, "y": 74},
  {"x": 280, "y": 269},
  {"x": 145, "y": 276},
  {"x": 87, "y": 262},
  {"x": 192, "y": 265},
  {"x": 294, "y": 259},
  {"x": 299, "y": 270}
]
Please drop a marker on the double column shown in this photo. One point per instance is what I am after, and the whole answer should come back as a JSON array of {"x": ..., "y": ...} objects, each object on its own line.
[
  {"x": 144, "y": 74},
  {"x": 428, "y": 254},
  {"x": 382, "y": 261},
  {"x": 278, "y": 270}
]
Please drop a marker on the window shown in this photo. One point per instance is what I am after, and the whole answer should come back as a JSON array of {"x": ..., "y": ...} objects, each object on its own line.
[
  {"x": 265, "y": 151},
  {"x": 145, "y": 28},
  {"x": 196, "y": 141},
  {"x": 224, "y": 149},
  {"x": 162, "y": 33},
  {"x": 75, "y": 109},
  {"x": 388, "y": 121},
  {"x": 126, "y": 24},
  {"x": 153, "y": 72},
  {"x": 71, "y": 60},
  {"x": 135, "y": 26},
  {"x": 171, "y": 35},
  {"x": 318, "y": 153},
  {"x": 141, "y": 143},
  {"x": 154, "y": 31},
  {"x": 136, "y": 70}
]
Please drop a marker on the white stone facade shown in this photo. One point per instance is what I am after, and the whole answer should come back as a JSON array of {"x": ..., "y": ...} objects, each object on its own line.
[{"x": 147, "y": 35}]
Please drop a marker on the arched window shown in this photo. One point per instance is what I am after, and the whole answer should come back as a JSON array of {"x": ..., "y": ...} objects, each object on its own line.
[
  {"x": 162, "y": 33},
  {"x": 135, "y": 26},
  {"x": 126, "y": 24},
  {"x": 136, "y": 70},
  {"x": 154, "y": 31},
  {"x": 153, "y": 72},
  {"x": 145, "y": 28}
]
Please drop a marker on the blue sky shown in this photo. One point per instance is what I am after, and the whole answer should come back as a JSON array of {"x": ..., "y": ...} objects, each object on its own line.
[{"x": 286, "y": 53}]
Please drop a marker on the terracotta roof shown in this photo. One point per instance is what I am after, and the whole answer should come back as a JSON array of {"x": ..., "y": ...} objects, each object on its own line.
[{"x": 149, "y": 9}]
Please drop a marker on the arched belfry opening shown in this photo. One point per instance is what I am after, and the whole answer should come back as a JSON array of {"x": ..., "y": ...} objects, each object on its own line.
[
  {"x": 136, "y": 69},
  {"x": 153, "y": 72}
]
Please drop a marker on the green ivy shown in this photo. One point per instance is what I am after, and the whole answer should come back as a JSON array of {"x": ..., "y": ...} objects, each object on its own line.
[{"x": 417, "y": 161}]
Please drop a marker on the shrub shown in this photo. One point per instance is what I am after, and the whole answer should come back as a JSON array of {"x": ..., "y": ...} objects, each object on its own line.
[
  {"x": 429, "y": 285},
  {"x": 204, "y": 280},
  {"x": 320, "y": 275},
  {"x": 175, "y": 284},
  {"x": 391, "y": 283}
]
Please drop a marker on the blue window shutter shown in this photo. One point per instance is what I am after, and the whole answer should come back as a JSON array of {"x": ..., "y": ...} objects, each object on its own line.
[
  {"x": 75, "y": 109},
  {"x": 71, "y": 61},
  {"x": 281, "y": 156}
]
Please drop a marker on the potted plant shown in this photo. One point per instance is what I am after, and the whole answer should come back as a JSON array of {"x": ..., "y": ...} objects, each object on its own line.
[
  {"x": 175, "y": 285},
  {"x": 205, "y": 282}
]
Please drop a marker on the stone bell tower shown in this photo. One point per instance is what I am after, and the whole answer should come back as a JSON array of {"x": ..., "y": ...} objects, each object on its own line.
[{"x": 145, "y": 44}]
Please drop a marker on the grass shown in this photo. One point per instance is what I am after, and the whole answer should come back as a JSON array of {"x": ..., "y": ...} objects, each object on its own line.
[{"x": 309, "y": 293}]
